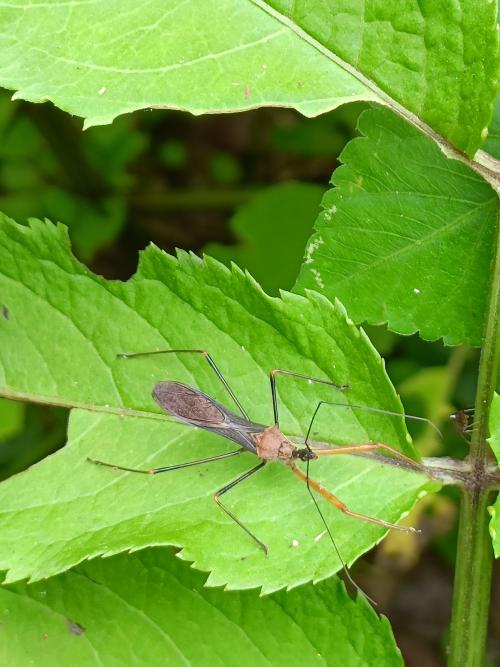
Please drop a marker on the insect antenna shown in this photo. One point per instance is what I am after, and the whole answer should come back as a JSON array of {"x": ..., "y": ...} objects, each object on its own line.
[{"x": 366, "y": 408}]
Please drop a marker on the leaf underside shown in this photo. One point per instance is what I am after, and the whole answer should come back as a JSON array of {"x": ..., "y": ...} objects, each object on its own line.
[{"x": 100, "y": 60}]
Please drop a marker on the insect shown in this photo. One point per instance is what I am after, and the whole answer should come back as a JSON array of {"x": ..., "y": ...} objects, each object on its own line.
[
  {"x": 193, "y": 407},
  {"x": 462, "y": 421}
]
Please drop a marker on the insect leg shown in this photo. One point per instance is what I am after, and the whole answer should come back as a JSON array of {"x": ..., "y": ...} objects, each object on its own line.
[
  {"x": 333, "y": 500},
  {"x": 230, "y": 486},
  {"x": 281, "y": 371},
  {"x": 332, "y": 540},
  {"x": 211, "y": 363},
  {"x": 178, "y": 466}
]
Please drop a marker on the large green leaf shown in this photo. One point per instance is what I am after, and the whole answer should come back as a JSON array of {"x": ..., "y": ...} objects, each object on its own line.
[
  {"x": 150, "y": 609},
  {"x": 437, "y": 61},
  {"x": 428, "y": 56},
  {"x": 404, "y": 234},
  {"x": 59, "y": 345}
]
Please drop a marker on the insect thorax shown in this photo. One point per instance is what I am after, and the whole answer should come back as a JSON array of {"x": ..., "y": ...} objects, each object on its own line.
[{"x": 272, "y": 445}]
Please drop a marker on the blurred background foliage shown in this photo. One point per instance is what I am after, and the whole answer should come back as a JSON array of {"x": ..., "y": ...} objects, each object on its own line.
[{"x": 243, "y": 188}]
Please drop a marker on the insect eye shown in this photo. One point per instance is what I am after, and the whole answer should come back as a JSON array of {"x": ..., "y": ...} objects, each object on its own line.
[{"x": 306, "y": 455}]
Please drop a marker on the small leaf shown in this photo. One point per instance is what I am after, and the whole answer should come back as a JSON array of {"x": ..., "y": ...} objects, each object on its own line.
[
  {"x": 60, "y": 346},
  {"x": 150, "y": 609},
  {"x": 272, "y": 230},
  {"x": 399, "y": 208}
]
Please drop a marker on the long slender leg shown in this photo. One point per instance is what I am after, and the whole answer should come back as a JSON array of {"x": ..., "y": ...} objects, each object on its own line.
[
  {"x": 217, "y": 494},
  {"x": 211, "y": 363},
  {"x": 333, "y": 500},
  {"x": 330, "y": 535},
  {"x": 231, "y": 485},
  {"x": 178, "y": 466},
  {"x": 367, "y": 409},
  {"x": 281, "y": 371}
]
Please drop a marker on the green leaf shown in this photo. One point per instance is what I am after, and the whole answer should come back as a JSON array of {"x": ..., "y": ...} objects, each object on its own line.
[
  {"x": 492, "y": 143},
  {"x": 427, "y": 56},
  {"x": 59, "y": 346},
  {"x": 494, "y": 441},
  {"x": 428, "y": 389},
  {"x": 438, "y": 61},
  {"x": 150, "y": 609},
  {"x": 273, "y": 228},
  {"x": 399, "y": 208},
  {"x": 62, "y": 174},
  {"x": 11, "y": 419},
  {"x": 41, "y": 432},
  {"x": 322, "y": 137}
]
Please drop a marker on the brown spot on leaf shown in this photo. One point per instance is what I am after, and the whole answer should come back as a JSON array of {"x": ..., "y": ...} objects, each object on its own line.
[{"x": 75, "y": 628}]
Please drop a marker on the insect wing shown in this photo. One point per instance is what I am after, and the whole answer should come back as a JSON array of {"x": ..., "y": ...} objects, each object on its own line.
[{"x": 191, "y": 406}]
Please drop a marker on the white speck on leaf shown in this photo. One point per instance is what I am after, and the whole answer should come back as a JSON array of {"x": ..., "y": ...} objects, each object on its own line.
[
  {"x": 295, "y": 543},
  {"x": 416, "y": 290},
  {"x": 492, "y": 513},
  {"x": 318, "y": 537},
  {"x": 330, "y": 211},
  {"x": 318, "y": 279},
  {"x": 102, "y": 90},
  {"x": 311, "y": 249}
]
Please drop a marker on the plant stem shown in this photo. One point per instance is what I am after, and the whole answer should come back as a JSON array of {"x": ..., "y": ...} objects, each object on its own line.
[
  {"x": 474, "y": 550},
  {"x": 472, "y": 583}
]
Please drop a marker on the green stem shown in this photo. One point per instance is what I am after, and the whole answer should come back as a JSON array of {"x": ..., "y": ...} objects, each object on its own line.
[
  {"x": 474, "y": 551},
  {"x": 472, "y": 583}
]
